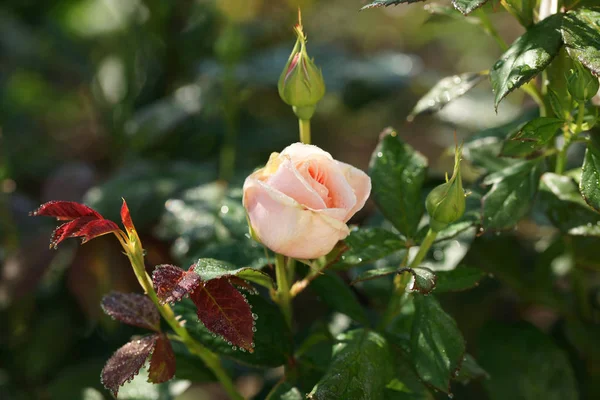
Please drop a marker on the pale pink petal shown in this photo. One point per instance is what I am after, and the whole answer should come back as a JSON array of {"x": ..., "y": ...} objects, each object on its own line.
[
  {"x": 360, "y": 183},
  {"x": 288, "y": 181},
  {"x": 286, "y": 227},
  {"x": 300, "y": 152}
]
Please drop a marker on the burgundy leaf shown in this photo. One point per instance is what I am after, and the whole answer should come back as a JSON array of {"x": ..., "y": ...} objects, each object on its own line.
[
  {"x": 126, "y": 362},
  {"x": 223, "y": 310},
  {"x": 68, "y": 229},
  {"x": 97, "y": 228},
  {"x": 132, "y": 309},
  {"x": 241, "y": 284},
  {"x": 65, "y": 210},
  {"x": 162, "y": 362},
  {"x": 126, "y": 218},
  {"x": 172, "y": 283}
]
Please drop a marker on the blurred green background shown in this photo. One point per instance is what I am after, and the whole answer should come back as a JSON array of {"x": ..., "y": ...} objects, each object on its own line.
[{"x": 160, "y": 102}]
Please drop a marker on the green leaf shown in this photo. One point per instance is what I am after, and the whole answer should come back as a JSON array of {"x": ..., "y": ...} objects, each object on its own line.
[
  {"x": 459, "y": 279},
  {"x": 581, "y": 34},
  {"x": 531, "y": 137},
  {"x": 405, "y": 384},
  {"x": 590, "y": 173},
  {"x": 437, "y": 346},
  {"x": 511, "y": 196},
  {"x": 366, "y": 245},
  {"x": 285, "y": 391},
  {"x": 526, "y": 57},
  {"x": 467, "y": 6},
  {"x": 387, "y": 3},
  {"x": 445, "y": 91},
  {"x": 397, "y": 174},
  {"x": 524, "y": 363},
  {"x": 360, "y": 369},
  {"x": 272, "y": 339},
  {"x": 562, "y": 203},
  {"x": 209, "y": 268},
  {"x": 338, "y": 296},
  {"x": 470, "y": 370}
]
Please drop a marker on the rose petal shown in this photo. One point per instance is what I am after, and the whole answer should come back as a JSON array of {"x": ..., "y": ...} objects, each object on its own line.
[
  {"x": 360, "y": 183},
  {"x": 288, "y": 181},
  {"x": 288, "y": 228},
  {"x": 300, "y": 152}
]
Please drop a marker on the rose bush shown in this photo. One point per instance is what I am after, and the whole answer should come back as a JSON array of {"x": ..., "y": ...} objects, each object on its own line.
[{"x": 299, "y": 203}]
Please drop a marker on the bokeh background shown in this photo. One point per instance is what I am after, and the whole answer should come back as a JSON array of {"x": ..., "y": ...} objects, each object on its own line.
[{"x": 161, "y": 102}]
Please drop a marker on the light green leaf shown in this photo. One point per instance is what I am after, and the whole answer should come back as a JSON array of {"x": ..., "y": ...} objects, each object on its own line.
[
  {"x": 397, "y": 174},
  {"x": 444, "y": 92},
  {"x": 458, "y": 279},
  {"x": 285, "y": 391},
  {"x": 467, "y": 6},
  {"x": 511, "y": 196},
  {"x": 526, "y": 57},
  {"x": 436, "y": 345},
  {"x": 590, "y": 173},
  {"x": 581, "y": 34},
  {"x": 562, "y": 203},
  {"x": 360, "y": 369},
  {"x": 524, "y": 363},
  {"x": 366, "y": 245},
  {"x": 531, "y": 137},
  {"x": 209, "y": 268},
  {"x": 522, "y": 10},
  {"x": 424, "y": 279}
]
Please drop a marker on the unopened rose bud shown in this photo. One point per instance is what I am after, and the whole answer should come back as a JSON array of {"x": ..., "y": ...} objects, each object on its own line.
[
  {"x": 301, "y": 83},
  {"x": 446, "y": 203},
  {"x": 582, "y": 85}
]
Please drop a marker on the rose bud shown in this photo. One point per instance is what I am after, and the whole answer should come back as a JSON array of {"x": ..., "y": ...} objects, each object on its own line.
[
  {"x": 582, "y": 85},
  {"x": 446, "y": 203},
  {"x": 299, "y": 203},
  {"x": 301, "y": 83}
]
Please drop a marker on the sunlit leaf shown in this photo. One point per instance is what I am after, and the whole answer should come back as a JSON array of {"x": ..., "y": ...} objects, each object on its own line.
[
  {"x": 173, "y": 283},
  {"x": 511, "y": 196},
  {"x": 590, "y": 173},
  {"x": 526, "y": 57},
  {"x": 126, "y": 362},
  {"x": 209, "y": 268},
  {"x": 387, "y": 3},
  {"x": 424, "y": 279},
  {"x": 445, "y": 91},
  {"x": 162, "y": 362},
  {"x": 132, "y": 309},
  {"x": 68, "y": 230},
  {"x": 224, "y": 311},
  {"x": 96, "y": 228},
  {"x": 397, "y": 173},
  {"x": 581, "y": 35},
  {"x": 467, "y": 6},
  {"x": 126, "y": 218},
  {"x": 531, "y": 137},
  {"x": 366, "y": 245}
]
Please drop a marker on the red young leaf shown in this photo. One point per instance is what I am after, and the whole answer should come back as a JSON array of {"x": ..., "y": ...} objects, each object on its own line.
[
  {"x": 126, "y": 218},
  {"x": 223, "y": 310},
  {"x": 65, "y": 210},
  {"x": 126, "y": 362},
  {"x": 242, "y": 284},
  {"x": 68, "y": 229},
  {"x": 162, "y": 362},
  {"x": 132, "y": 309},
  {"x": 97, "y": 228},
  {"x": 172, "y": 283}
]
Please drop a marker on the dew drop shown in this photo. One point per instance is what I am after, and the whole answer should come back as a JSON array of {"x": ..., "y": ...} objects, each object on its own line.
[
  {"x": 254, "y": 329},
  {"x": 233, "y": 348},
  {"x": 254, "y": 316},
  {"x": 243, "y": 350}
]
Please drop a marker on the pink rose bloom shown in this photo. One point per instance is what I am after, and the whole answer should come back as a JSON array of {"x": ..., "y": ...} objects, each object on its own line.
[{"x": 299, "y": 203}]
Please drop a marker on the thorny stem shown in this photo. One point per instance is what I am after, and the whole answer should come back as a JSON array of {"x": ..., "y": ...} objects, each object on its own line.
[
  {"x": 304, "y": 130},
  {"x": 283, "y": 288},
  {"x": 133, "y": 249}
]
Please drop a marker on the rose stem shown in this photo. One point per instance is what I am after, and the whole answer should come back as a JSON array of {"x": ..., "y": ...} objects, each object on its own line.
[
  {"x": 283, "y": 288},
  {"x": 304, "y": 130},
  {"x": 133, "y": 249}
]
